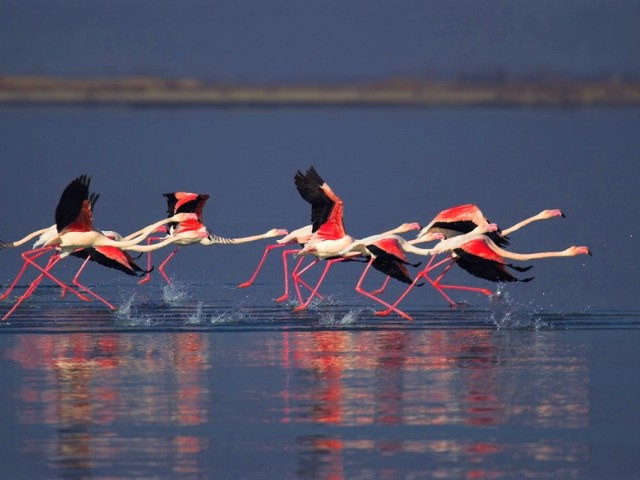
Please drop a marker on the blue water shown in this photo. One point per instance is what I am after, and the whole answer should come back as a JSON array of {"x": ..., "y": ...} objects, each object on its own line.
[
  {"x": 178, "y": 384},
  {"x": 205, "y": 380}
]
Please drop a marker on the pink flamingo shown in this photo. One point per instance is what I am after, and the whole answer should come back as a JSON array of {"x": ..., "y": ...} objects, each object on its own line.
[
  {"x": 460, "y": 220},
  {"x": 193, "y": 231},
  {"x": 482, "y": 257},
  {"x": 74, "y": 231},
  {"x": 328, "y": 238}
]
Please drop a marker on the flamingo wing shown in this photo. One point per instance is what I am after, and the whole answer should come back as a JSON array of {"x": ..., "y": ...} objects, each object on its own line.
[
  {"x": 479, "y": 260},
  {"x": 389, "y": 262},
  {"x": 326, "y": 207},
  {"x": 463, "y": 219},
  {"x": 112, "y": 257},
  {"x": 73, "y": 212}
]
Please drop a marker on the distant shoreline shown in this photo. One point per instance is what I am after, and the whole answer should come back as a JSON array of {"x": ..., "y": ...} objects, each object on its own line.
[{"x": 408, "y": 92}]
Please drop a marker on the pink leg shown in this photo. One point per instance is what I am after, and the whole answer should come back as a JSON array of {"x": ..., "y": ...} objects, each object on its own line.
[
  {"x": 10, "y": 288},
  {"x": 304, "y": 305},
  {"x": 382, "y": 288},
  {"x": 438, "y": 286},
  {"x": 296, "y": 276},
  {"x": 430, "y": 266},
  {"x": 53, "y": 261},
  {"x": 87, "y": 289},
  {"x": 361, "y": 291},
  {"x": 45, "y": 272},
  {"x": 285, "y": 296},
  {"x": 268, "y": 249},
  {"x": 147, "y": 277},
  {"x": 164, "y": 264}
]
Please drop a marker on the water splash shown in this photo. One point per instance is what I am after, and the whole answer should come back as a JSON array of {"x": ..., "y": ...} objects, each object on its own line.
[
  {"x": 175, "y": 293},
  {"x": 508, "y": 314},
  {"x": 226, "y": 317},
  {"x": 349, "y": 318},
  {"x": 198, "y": 317},
  {"x": 127, "y": 315}
]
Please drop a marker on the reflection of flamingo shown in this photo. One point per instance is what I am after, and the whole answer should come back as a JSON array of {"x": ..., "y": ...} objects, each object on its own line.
[
  {"x": 460, "y": 220},
  {"x": 483, "y": 258},
  {"x": 193, "y": 231},
  {"x": 74, "y": 230}
]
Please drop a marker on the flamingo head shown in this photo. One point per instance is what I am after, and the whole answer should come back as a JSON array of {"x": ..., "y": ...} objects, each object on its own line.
[
  {"x": 573, "y": 251},
  {"x": 551, "y": 213},
  {"x": 407, "y": 227},
  {"x": 431, "y": 236},
  {"x": 276, "y": 232}
]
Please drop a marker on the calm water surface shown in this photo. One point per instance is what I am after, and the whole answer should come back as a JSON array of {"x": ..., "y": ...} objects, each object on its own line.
[{"x": 171, "y": 386}]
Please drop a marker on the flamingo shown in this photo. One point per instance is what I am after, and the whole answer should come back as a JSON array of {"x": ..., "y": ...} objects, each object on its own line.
[
  {"x": 193, "y": 231},
  {"x": 110, "y": 257},
  {"x": 460, "y": 220},
  {"x": 74, "y": 231},
  {"x": 328, "y": 236},
  {"x": 387, "y": 253},
  {"x": 482, "y": 257}
]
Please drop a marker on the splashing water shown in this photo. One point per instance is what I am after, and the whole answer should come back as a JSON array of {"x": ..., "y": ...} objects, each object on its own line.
[
  {"x": 349, "y": 318},
  {"x": 508, "y": 314},
  {"x": 198, "y": 316},
  {"x": 228, "y": 316},
  {"x": 127, "y": 315},
  {"x": 175, "y": 293}
]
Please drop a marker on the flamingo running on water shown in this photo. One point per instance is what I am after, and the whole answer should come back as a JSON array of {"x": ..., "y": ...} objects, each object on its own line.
[
  {"x": 482, "y": 257},
  {"x": 328, "y": 238},
  {"x": 74, "y": 231},
  {"x": 458, "y": 221},
  {"x": 193, "y": 231}
]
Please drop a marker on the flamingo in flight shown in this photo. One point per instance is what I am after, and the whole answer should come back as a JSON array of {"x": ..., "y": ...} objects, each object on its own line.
[
  {"x": 460, "y": 220},
  {"x": 477, "y": 253},
  {"x": 74, "y": 231},
  {"x": 328, "y": 236},
  {"x": 110, "y": 257},
  {"x": 193, "y": 231},
  {"x": 387, "y": 253}
]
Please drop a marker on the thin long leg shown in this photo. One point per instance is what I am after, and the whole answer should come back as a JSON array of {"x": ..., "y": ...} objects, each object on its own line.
[
  {"x": 304, "y": 305},
  {"x": 268, "y": 249},
  {"x": 430, "y": 266},
  {"x": 45, "y": 272},
  {"x": 147, "y": 277},
  {"x": 164, "y": 264},
  {"x": 285, "y": 295},
  {"x": 361, "y": 291},
  {"x": 87, "y": 289},
  {"x": 296, "y": 276},
  {"x": 439, "y": 286},
  {"x": 53, "y": 261},
  {"x": 382, "y": 288},
  {"x": 25, "y": 264}
]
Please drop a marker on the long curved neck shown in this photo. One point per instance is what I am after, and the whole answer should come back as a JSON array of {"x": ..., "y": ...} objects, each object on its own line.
[
  {"x": 152, "y": 247},
  {"x": 32, "y": 235},
  {"x": 217, "y": 239},
  {"x": 523, "y": 223},
  {"x": 528, "y": 256},
  {"x": 137, "y": 237}
]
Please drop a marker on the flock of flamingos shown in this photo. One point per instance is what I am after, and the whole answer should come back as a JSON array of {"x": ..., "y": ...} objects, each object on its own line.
[{"x": 464, "y": 238}]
